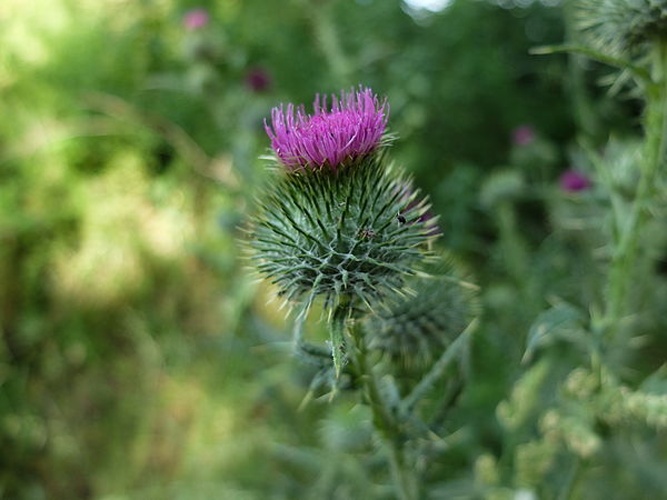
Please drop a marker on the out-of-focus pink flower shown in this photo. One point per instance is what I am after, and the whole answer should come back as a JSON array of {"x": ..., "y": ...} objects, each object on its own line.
[
  {"x": 523, "y": 135},
  {"x": 196, "y": 19},
  {"x": 258, "y": 79},
  {"x": 573, "y": 181},
  {"x": 350, "y": 128}
]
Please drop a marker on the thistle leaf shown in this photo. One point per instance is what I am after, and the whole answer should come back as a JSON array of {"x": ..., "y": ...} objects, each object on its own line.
[
  {"x": 563, "y": 321},
  {"x": 624, "y": 64}
]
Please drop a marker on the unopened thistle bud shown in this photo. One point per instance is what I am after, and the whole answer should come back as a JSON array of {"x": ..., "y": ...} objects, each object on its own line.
[
  {"x": 414, "y": 331},
  {"x": 336, "y": 222}
]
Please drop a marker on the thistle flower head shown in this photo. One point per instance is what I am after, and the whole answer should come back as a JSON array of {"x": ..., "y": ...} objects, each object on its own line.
[
  {"x": 196, "y": 19},
  {"x": 258, "y": 79},
  {"x": 523, "y": 135},
  {"x": 347, "y": 129},
  {"x": 413, "y": 331},
  {"x": 341, "y": 224},
  {"x": 347, "y": 234},
  {"x": 573, "y": 181},
  {"x": 622, "y": 27}
]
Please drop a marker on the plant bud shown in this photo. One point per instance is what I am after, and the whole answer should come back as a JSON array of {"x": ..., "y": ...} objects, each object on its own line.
[
  {"x": 414, "y": 330},
  {"x": 349, "y": 232},
  {"x": 622, "y": 27},
  {"x": 338, "y": 222}
]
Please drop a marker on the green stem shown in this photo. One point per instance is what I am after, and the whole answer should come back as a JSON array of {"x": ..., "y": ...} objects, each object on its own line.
[
  {"x": 404, "y": 475},
  {"x": 630, "y": 231},
  {"x": 438, "y": 370},
  {"x": 571, "y": 482},
  {"x": 384, "y": 419},
  {"x": 514, "y": 253},
  {"x": 636, "y": 71},
  {"x": 337, "y": 326}
]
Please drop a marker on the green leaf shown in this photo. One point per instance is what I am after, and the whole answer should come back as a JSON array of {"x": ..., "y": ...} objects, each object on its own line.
[
  {"x": 656, "y": 383},
  {"x": 562, "y": 321},
  {"x": 636, "y": 71},
  {"x": 337, "y": 337}
]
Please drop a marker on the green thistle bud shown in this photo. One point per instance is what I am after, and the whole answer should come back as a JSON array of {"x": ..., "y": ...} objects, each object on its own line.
[
  {"x": 350, "y": 234},
  {"x": 413, "y": 331},
  {"x": 622, "y": 27}
]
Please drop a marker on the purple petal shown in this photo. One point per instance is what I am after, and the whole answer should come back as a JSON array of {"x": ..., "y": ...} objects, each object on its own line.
[
  {"x": 350, "y": 127},
  {"x": 574, "y": 181}
]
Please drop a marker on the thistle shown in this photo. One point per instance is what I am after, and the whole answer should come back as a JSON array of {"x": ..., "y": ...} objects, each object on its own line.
[
  {"x": 622, "y": 27},
  {"x": 196, "y": 19},
  {"x": 350, "y": 129},
  {"x": 414, "y": 331},
  {"x": 573, "y": 181},
  {"x": 337, "y": 223},
  {"x": 341, "y": 224}
]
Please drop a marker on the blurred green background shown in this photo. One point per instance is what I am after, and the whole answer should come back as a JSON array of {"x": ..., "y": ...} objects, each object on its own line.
[{"x": 138, "y": 356}]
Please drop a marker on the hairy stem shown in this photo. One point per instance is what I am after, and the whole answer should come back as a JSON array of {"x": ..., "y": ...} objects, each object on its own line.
[
  {"x": 337, "y": 326},
  {"x": 385, "y": 420},
  {"x": 438, "y": 370},
  {"x": 627, "y": 244}
]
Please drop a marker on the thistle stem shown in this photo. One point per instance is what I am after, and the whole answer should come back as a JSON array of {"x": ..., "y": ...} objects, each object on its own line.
[
  {"x": 337, "y": 326},
  {"x": 438, "y": 369},
  {"x": 384, "y": 420},
  {"x": 571, "y": 480},
  {"x": 404, "y": 476},
  {"x": 630, "y": 232},
  {"x": 513, "y": 251}
]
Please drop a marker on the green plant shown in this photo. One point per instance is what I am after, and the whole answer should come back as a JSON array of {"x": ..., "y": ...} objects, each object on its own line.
[{"x": 342, "y": 225}]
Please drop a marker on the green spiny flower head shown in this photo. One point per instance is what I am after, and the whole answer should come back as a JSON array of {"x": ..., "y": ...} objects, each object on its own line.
[
  {"x": 344, "y": 226},
  {"x": 414, "y": 330},
  {"x": 622, "y": 27}
]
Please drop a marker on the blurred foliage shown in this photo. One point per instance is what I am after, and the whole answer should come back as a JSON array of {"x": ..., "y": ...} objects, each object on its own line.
[{"x": 139, "y": 360}]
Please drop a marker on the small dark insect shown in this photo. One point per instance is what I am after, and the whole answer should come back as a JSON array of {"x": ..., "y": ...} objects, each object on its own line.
[
  {"x": 366, "y": 234},
  {"x": 401, "y": 220}
]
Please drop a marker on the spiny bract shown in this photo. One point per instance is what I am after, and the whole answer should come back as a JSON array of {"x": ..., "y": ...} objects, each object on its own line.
[
  {"x": 622, "y": 27},
  {"x": 355, "y": 232},
  {"x": 414, "y": 331}
]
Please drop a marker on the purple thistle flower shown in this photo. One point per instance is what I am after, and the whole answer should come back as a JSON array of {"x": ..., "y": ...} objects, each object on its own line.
[
  {"x": 523, "y": 135},
  {"x": 195, "y": 19},
  {"x": 258, "y": 79},
  {"x": 350, "y": 128},
  {"x": 573, "y": 181}
]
